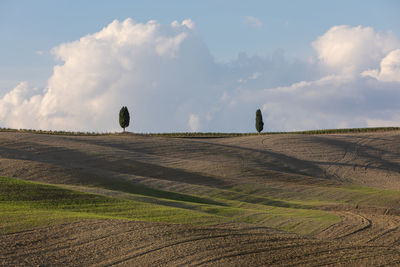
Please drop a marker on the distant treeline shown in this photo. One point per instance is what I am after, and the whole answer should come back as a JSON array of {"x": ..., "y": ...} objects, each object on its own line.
[{"x": 207, "y": 134}]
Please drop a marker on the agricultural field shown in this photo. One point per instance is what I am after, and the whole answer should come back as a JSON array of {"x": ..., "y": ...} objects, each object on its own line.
[{"x": 304, "y": 199}]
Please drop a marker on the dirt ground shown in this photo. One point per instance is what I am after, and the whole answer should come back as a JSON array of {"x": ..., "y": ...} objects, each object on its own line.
[
  {"x": 366, "y": 236},
  {"x": 122, "y": 243}
]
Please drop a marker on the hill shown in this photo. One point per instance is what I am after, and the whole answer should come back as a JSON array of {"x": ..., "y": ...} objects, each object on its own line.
[{"x": 330, "y": 192}]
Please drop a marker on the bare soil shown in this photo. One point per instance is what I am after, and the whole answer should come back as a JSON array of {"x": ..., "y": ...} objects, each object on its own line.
[
  {"x": 122, "y": 243},
  {"x": 367, "y": 235}
]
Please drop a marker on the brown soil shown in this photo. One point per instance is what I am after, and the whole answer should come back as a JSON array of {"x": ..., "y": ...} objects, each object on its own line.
[
  {"x": 366, "y": 235},
  {"x": 122, "y": 243}
]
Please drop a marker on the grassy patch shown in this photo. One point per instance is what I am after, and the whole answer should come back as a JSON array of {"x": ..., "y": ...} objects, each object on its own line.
[
  {"x": 128, "y": 187},
  {"x": 311, "y": 196},
  {"x": 15, "y": 217},
  {"x": 25, "y": 205}
]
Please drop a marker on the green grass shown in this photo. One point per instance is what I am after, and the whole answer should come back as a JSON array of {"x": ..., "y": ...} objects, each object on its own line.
[
  {"x": 127, "y": 187},
  {"x": 305, "y": 196},
  {"x": 26, "y": 205}
]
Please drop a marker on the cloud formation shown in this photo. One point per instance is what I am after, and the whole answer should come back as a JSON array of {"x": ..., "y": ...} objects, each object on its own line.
[
  {"x": 389, "y": 68},
  {"x": 353, "y": 49},
  {"x": 158, "y": 71},
  {"x": 170, "y": 82}
]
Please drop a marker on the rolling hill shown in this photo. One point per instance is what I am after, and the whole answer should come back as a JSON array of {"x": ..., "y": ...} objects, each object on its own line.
[{"x": 260, "y": 199}]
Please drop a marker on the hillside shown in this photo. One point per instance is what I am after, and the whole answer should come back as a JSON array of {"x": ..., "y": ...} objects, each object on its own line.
[{"x": 336, "y": 193}]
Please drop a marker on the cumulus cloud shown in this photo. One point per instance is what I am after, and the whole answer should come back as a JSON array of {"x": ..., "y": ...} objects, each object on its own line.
[
  {"x": 20, "y": 107},
  {"x": 352, "y": 49},
  {"x": 253, "y": 21},
  {"x": 158, "y": 71},
  {"x": 331, "y": 102},
  {"x": 389, "y": 68},
  {"x": 330, "y": 92},
  {"x": 170, "y": 82}
]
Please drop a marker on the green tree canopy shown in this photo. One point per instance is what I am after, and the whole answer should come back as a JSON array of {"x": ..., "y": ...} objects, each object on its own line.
[
  {"x": 124, "y": 117},
  {"x": 259, "y": 121}
]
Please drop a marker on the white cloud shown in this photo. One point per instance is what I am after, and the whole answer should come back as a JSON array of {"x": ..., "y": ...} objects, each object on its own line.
[
  {"x": 170, "y": 82},
  {"x": 330, "y": 102},
  {"x": 194, "y": 123},
  {"x": 20, "y": 107},
  {"x": 253, "y": 21},
  {"x": 158, "y": 71},
  {"x": 188, "y": 23},
  {"x": 335, "y": 95},
  {"x": 389, "y": 68},
  {"x": 353, "y": 49}
]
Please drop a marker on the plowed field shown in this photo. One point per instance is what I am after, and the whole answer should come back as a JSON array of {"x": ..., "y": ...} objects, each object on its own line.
[{"x": 262, "y": 200}]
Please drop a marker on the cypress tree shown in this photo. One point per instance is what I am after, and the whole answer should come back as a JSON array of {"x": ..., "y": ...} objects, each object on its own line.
[
  {"x": 124, "y": 117},
  {"x": 259, "y": 121}
]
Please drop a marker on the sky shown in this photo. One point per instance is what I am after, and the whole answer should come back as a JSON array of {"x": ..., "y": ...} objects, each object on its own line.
[{"x": 199, "y": 65}]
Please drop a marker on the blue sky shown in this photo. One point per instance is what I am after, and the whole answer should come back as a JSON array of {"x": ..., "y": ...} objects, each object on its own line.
[{"x": 29, "y": 30}]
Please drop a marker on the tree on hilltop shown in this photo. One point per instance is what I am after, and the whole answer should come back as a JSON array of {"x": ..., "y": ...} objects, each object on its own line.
[
  {"x": 124, "y": 117},
  {"x": 259, "y": 121}
]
